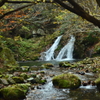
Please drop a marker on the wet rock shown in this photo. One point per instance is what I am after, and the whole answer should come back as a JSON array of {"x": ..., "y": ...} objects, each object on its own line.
[
  {"x": 11, "y": 81},
  {"x": 86, "y": 70},
  {"x": 97, "y": 82},
  {"x": 31, "y": 80},
  {"x": 64, "y": 64},
  {"x": 16, "y": 73},
  {"x": 93, "y": 83},
  {"x": 1, "y": 86},
  {"x": 80, "y": 72},
  {"x": 85, "y": 83},
  {"x": 18, "y": 79},
  {"x": 66, "y": 81},
  {"x": 4, "y": 81},
  {"x": 25, "y": 68},
  {"x": 24, "y": 75}
]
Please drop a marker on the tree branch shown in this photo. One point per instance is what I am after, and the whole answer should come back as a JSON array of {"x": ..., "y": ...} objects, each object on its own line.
[
  {"x": 41, "y": 1},
  {"x": 98, "y": 2},
  {"x": 77, "y": 9},
  {"x": 2, "y": 2},
  {"x": 15, "y": 10},
  {"x": 19, "y": 1}
]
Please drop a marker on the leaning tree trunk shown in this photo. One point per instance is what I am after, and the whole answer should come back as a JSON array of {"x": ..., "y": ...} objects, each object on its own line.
[{"x": 77, "y": 9}]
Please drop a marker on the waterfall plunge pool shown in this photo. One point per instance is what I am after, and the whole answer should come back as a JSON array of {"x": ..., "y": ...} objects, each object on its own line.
[{"x": 39, "y": 62}]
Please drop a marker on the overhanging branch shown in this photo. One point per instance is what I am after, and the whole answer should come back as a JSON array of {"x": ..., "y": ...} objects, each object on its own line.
[{"x": 77, "y": 9}]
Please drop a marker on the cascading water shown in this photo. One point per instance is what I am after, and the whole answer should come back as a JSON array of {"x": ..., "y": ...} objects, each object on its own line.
[
  {"x": 66, "y": 52},
  {"x": 49, "y": 54}
]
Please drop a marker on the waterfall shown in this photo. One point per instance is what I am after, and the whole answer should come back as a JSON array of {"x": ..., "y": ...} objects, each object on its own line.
[
  {"x": 49, "y": 54},
  {"x": 66, "y": 52}
]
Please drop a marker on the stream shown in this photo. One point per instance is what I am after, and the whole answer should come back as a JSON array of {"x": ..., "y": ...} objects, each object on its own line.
[{"x": 49, "y": 92}]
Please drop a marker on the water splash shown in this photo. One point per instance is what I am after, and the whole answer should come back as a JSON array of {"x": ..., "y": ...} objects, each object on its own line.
[{"x": 66, "y": 52}]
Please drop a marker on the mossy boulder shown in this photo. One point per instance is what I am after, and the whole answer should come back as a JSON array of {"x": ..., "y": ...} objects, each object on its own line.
[
  {"x": 4, "y": 81},
  {"x": 24, "y": 75},
  {"x": 66, "y": 64},
  {"x": 25, "y": 68},
  {"x": 47, "y": 65},
  {"x": 97, "y": 82},
  {"x": 18, "y": 79},
  {"x": 14, "y": 92},
  {"x": 67, "y": 80},
  {"x": 40, "y": 81}
]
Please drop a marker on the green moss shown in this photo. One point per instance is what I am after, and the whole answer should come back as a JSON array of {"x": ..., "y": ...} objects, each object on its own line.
[
  {"x": 18, "y": 79},
  {"x": 25, "y": 68},
  {"x": 47, "y": 65},
  {"x": 42, "y": 81},
  {"x": 90, "y": 39},
  {"x": 24, "y": 75},
  {"x": 97, "y": 81},
  {"x": 8, "y": 57},
  {"x": 66, "y": 81},
  {"x": 14, "y": 92},
  {"x": 66, "y": 64}
]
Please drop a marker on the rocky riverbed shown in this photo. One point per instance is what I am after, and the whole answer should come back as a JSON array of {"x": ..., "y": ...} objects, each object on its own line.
[{"x": 35, "y": 82}]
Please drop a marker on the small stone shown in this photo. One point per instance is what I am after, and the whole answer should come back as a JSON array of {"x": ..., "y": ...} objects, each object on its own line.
[
  {"x": 1, "y": 86},
  {"x": 4, "y": 81},
  {"x": 93, "y": 83},
  {"x": 84, "y": 83}
]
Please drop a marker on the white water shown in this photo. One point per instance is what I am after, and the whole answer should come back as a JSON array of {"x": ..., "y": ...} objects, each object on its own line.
[
  {"x": 49, "y": 54},
  {"x": 66, "y": 52}
]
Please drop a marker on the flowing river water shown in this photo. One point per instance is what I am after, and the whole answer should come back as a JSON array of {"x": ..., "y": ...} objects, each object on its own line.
[{"x": 49, "y": 92}]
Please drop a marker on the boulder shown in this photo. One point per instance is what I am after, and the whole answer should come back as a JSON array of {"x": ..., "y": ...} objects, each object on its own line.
[
  {"x": 66, "y": 64},
  {"x": 4, "y": 81},
  {"x": 97, "y": 82},
  {"x": 47, "y": 65},
  {"x": 18, "y": 79},
  {"x": 25, "y": 68},
  {"x": 66, "y": 80},
  {"x": 14, "y": 92}
]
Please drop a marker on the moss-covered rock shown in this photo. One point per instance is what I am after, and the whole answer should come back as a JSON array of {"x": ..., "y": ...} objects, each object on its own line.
[
  {"x": 14, "y": 92},
  {"x": 24, "y": 75},
  {"x": 97, "y": 82},
  {"x": 66, "y": 64},
  {"x": 47, "y": 65},
  {"x": 18, "y": 79},
  {"x": 67, "y": 80},
  {"x": 25, "y": 68},
  {"x": 4, "y": 81}
]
